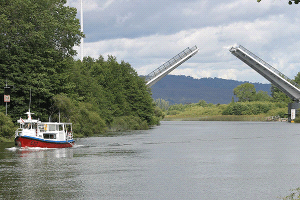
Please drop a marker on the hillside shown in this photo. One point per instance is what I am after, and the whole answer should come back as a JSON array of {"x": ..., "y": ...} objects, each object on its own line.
[{"x": 186, "y": 89}]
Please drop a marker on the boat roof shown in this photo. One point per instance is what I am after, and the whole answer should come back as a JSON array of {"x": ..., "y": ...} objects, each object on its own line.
[
  {"x": 55, "y": 123},
  {"x": 30, "y": 120}
]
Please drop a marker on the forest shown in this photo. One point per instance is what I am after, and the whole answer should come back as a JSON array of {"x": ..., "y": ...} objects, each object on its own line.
[{"x": 37, "y": 61}]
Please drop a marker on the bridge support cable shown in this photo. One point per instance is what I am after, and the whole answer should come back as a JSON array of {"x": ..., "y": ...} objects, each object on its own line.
[
  {"x": 286, "y": 85},
  {"x": 170, "y": 65}
]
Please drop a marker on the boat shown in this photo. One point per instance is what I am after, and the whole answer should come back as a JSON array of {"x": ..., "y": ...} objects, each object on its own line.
[{"x": 34, "y": 133}]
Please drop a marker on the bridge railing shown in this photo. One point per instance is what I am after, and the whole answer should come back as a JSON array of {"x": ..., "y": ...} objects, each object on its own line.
[
  {"x": 269, "y": 66},
  {"x": 170, "y": 63}
]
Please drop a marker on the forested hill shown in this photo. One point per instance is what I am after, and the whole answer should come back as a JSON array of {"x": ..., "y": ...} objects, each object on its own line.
[{"x": 186, "y": 89}]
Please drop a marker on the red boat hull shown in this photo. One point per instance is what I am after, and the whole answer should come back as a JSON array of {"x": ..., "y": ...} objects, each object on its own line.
[{"x": 32, "y": 142}]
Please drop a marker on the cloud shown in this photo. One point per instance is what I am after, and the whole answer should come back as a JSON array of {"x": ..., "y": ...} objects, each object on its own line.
[
  {"x": 148, "y": 33},
  {"x": 90, "y": 5}
]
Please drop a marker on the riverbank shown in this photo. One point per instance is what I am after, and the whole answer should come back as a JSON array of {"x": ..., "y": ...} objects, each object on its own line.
[
  {"x": 4, "y": 139},
  {"x": 222, "y": 118}
]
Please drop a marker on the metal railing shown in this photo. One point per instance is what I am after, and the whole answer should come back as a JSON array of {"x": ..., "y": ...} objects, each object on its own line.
[
  {"x": 170, "y": 63},
  {"x": 18, "y": 132},
  {"x": 268, "y": 65}
]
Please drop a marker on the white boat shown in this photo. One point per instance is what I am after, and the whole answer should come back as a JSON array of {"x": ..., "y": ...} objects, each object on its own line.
[{"x": 34, "y": 133}]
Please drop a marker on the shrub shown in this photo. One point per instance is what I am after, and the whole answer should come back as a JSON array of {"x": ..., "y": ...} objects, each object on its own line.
[
  {"x": 278, "y": 112},
  {"x": 125, "y": 123},
  {"x": 7, "y": 127},
  {"x": 247, "y": 108}
]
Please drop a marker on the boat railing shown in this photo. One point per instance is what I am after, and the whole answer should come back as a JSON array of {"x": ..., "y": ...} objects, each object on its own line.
[
  {"x": 70, "y": 136},
  {"x": 18, "y": 132}
]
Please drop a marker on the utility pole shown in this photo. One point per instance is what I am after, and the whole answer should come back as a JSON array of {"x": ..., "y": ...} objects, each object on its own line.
[{"x": 81, "y": 23}]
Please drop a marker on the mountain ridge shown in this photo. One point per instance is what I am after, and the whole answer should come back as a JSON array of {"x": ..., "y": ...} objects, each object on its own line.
[{"x": 185, "y": 89}]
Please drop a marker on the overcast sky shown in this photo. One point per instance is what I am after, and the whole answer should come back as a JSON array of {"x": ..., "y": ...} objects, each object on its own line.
[{"x": 147, "y": 33}]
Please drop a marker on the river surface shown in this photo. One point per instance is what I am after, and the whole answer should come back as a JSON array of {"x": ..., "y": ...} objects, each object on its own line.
[{"x": 176, "y": 160}]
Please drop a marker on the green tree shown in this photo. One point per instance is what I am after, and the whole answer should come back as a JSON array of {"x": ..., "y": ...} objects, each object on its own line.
[
  {"x": 7, "y": 127},
  {"x": 245, "y": 92},
  {"x": 202, "y": 103},
  {"x": 262, "y": 96},
  {"x": 278, "y": 95},
  {"x": 36, "y": 48},
  {"x": 114, "y": 90},
  {"x": 297, "y": 78},
  {"x": 162, "y": 104}
]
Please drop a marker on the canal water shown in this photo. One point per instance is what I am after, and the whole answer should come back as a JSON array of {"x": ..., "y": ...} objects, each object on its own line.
[{"x": 176, "y": 160}]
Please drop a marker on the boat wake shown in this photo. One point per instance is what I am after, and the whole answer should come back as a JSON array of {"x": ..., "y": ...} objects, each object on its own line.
[
  {"x": 28, "y": 148},
  {"x": 39, "y": 148},
  {"x": 12, "y": 149},
  {"x": 78, "y": 146}
]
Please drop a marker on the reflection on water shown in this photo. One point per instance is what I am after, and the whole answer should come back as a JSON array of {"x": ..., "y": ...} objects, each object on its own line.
[
  {"x": 37, "y": 173},
  {"x": 36, "y": 152},
  {"x": 177, "y": 160}
]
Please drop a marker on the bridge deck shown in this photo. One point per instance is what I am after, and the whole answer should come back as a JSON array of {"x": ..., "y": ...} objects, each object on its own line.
[
  {"x": 286, "y": 85},
  {"x": 170, "y": 65}
]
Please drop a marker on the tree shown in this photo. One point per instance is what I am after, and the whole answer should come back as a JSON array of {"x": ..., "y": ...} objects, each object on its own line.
[
  {"x": 245, "y": 92},
  {"x": 279, "y": 96},
  {"x": 162, "y": 104},
  {"x": 202, "y": 103},
  {"x": 290, "y": 2},
  {"x": 297, "y": 78},
  {"x": 113, "y": 89},
  {"x": 262, "y": 96},
  {"x": 7, "y": 127},
  {"x": 36, "y": 48}
]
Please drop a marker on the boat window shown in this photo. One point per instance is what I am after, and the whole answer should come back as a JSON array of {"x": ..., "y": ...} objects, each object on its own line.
[
  {"x": 41, "y": 127},
  {"x": 27, "y": 125},
  {"x": 51, "y": 127},
  {"x": 33, "y": 125},
  {"x": 61, "y": 128},
  {"x": 68, "y": 128},
  {"x": 49, "y": 136}
]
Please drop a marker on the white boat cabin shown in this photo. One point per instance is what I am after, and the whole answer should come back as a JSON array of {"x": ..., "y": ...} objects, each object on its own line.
[{"x": 54, "y": 131}]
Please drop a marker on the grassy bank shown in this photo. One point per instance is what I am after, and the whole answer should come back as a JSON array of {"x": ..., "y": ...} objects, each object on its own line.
[
  {"x": 217, "y": 118},
  {"x": 4, "y": 139},
  {"x": 238, "y": 111}
]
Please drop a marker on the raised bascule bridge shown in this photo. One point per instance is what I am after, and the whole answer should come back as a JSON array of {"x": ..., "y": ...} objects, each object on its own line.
[
  {"x": 170, "y": 65},
  {"x": 285, "y": 84}
]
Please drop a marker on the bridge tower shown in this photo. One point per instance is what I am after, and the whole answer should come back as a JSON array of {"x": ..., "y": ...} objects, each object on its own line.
[
  {"x": 170, "y": 65},
  {"x": 286, "y": 85}
]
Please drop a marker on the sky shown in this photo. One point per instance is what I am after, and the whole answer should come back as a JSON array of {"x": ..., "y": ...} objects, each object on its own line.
[{"x": 147, "y": 33}]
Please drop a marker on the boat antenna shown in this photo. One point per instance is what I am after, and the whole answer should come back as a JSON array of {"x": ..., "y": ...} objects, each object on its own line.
[
  {"x": 29, "y": 113},
  {"x": 30, "y": 100}
]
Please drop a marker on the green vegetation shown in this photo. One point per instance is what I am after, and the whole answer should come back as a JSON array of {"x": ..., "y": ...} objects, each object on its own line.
[
  {"x": 7, "y": 128},
  {"x": 105, "y": 96},
  {"x": 295, "y": 194},
  {"x": 96, "y": 95},
  {"x": 250, "y": 106},
  {"x": 237, "y": 111}
]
